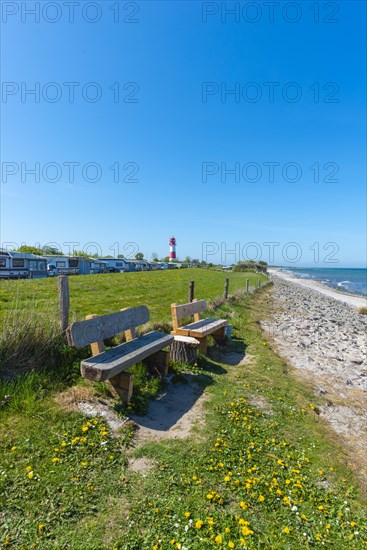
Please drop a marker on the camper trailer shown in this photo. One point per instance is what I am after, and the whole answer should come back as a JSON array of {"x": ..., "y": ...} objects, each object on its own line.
[
  {"x": 97, "y": 266},
  {"x": 142, "y": 265},
  {"x": 19, "y": 265},
  {"x": 115, "y": 265},
  {"x": 155, "y": 265},
  {"x": 65, "y": 265}
]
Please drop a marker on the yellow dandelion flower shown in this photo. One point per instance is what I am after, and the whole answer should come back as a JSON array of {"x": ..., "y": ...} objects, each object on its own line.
[
  {"x": 246, "y": 531},
  {"x": 85, "y": 428},
  {"x": 13, "y": 448},
  {"x": 286, "y": 530},
  {"x": 63, "y": 444},
  {"x": 40, "y": 526},
  {"x": 199, "y": 524},
  {"x": 261, "y": 498},
  {"x": 219, "y": 539},
  {"x": 31, "y": 475},
  {"x": 209, "y": 496},
  {"x": 187, "y": 514},
  {"x": 231, "y": 544},
  {"x": 55, "y": 459},
  {"x": 227, "y": 478},
  {"x": 243, "y": 505},
  {"x": 29, "y": 468},
  {"x": 227, "y": 530}
]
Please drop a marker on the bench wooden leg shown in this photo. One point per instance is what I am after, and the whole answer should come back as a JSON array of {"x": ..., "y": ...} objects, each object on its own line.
[
  {"x": 203, "y": 344},
  {"x": 220, "y": 336},
  {"x": 123, "y": 384},
  {"x": 158, "y": 363}
]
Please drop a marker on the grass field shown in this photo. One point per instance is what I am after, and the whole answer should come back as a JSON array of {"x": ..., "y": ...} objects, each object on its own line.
[
  {"x": 259, "y": 470},
  {"x": 110, "y": 292}
]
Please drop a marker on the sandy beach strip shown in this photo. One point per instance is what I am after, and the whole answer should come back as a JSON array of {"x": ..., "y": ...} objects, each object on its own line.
[
  {"x": 350, "y": 299},
  {"x": 319, "y": 334}
]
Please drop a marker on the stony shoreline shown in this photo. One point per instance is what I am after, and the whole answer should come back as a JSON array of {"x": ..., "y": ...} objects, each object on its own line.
[{"x": 324, "y": 339}]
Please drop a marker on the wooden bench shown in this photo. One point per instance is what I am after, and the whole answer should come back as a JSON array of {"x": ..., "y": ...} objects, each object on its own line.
[
  {"x": 110, "y": 364},
  {"x": 200, "y": 328}
]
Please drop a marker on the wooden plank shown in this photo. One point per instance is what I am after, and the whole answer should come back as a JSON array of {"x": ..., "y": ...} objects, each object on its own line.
[
  {"x": 203, "y": 344},
  {"x": 197, "y": 313},
  {"x": 226, "y": 287},
  {"x": 105, "y": 326},
  {"x": 191, "y": 291},
  {"x": 204, "y": 327},
  {"x": 64, "y": 300},
  {"x": 186, "y": 310},
  {"x": 131, "y": 333},
  {"x": 96, "y": 347},
  {"x": 115, "y": 360},
  {"x": 123, "y": 385},
  {"x": 175, "y": 321}
]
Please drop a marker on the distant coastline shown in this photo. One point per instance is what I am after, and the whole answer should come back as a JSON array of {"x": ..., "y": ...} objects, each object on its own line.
[
  {"x": 352, "y": 280},
  {"x": 355, "y": 299}
]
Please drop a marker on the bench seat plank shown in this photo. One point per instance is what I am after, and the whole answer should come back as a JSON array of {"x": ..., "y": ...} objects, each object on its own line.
[
  {"x": 112, "y": 361},
  {"x": 201, "y": 328}
]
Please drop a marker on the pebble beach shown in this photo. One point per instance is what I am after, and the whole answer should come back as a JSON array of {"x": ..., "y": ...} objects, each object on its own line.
[{"x": 320, "y": 333}]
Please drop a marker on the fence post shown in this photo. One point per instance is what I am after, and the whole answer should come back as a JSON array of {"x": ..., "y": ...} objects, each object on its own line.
[
  {"x": 191, "y": 291},
  {"x": 64, "y": 300},
  {"x": 226, "y": 286},
  {"x": 258, "y": 283},
  {"x": 246, "y": 286}
]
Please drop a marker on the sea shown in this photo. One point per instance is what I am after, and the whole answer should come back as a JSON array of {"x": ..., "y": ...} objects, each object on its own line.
[{"x": 351, "y": 280}]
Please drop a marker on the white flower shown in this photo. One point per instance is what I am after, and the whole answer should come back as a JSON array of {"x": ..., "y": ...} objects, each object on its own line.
[{"x": 294, "y": 508}]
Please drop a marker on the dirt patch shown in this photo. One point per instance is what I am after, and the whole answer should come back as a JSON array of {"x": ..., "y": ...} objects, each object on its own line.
[
  {"x": 231, "y": 358},
  {"x": 259, "y": 402},
  {"x": 173, "y": 414},
  {"x": 70, "y": 399},
  {"x": 141, "y": 464}
]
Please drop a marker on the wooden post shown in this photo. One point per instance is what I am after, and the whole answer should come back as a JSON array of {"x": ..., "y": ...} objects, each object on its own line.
[
  {"x": 191, "y": 291},
  {"x": 258, "y": 283},
  {"x": 64, "y": 300},
  {"x": 246, "y": 286},
  {"x": 226, "y": 285}
]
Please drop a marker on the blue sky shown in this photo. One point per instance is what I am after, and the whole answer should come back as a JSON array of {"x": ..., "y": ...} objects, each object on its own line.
[{"x": 176, "y": 134}]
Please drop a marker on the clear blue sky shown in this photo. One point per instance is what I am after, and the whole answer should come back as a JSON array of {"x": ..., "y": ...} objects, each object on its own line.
[{"x": 182, "y": 133}]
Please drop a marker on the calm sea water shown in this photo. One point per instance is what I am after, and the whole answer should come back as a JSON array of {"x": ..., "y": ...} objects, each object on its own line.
[{"x": 345, "y": 279}]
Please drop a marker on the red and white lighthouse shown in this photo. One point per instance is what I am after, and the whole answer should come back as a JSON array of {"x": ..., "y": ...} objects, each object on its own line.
[{"x": 172, "y": 249}]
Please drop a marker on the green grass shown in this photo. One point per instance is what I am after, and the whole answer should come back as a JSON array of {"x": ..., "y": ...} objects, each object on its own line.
[
  {"x": 106, "y": 293},
  {"x": 260, "y": 470}
]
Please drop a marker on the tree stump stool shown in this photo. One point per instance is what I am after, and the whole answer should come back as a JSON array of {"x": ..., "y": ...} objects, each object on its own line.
[{"x": 184, "y": 349}]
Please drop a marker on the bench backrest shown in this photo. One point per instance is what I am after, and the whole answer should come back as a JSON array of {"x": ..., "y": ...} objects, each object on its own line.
[
  {"x": 97, "y": 328},
  {"x": 187, "y": 310}
]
